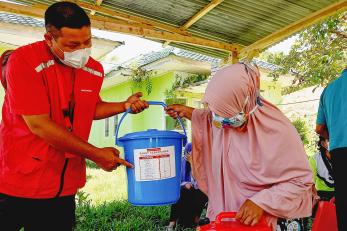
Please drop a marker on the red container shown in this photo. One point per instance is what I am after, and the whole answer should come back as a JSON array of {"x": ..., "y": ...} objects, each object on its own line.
[
  {"x": 232, "y": 224},
  {"x": 325, "y": 217}
]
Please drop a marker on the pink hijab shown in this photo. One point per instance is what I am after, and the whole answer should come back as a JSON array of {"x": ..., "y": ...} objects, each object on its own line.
[{"x": 266, "y": 163}]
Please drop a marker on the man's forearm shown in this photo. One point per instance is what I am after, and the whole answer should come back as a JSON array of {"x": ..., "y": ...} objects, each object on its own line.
[
  {"x": 322, "y": 131},
  {"x": 104, "y": 109},
  {"x": 58, "y": 137}
]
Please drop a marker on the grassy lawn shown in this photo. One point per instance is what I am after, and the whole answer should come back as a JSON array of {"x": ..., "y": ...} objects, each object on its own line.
[
  {"x": 102, "y": 205},
  {"x": 105, "y": 186}
]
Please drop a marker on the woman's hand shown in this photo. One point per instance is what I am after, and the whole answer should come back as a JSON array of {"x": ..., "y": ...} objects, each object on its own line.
[
  {"x": 188, "y": 186},
  {"x": 182, "y": 111},
  {"x": 188, "y": 157},
  {"x": 249, "y": 213}
]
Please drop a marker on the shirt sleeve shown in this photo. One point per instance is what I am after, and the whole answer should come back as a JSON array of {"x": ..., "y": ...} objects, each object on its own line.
[
  {"x": 26, "y": 89},
  {"x": 321, "y": 111}
]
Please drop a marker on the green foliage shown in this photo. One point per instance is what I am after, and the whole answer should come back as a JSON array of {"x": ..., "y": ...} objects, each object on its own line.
[
  {"x": 318, "y": 55},
  {"x": 307, "y": 135},
  {"x": 118, "y": 215},
  {"x": 142, "y": 78},
  {"x": 302, "y": 129},
  {"x": 184, "y": 82}
]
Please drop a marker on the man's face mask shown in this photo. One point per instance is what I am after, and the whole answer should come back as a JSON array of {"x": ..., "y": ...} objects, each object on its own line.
[
  {"x": 236, "y": 121},
  {"x": 77, "y": 58}
]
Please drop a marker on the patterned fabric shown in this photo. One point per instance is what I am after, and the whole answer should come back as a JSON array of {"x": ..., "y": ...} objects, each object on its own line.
[{"x": 292, "y": 224}]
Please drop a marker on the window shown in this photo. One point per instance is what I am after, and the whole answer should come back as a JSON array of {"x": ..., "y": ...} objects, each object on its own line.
[
  {"x": 115, "y": 124},
  {"x": 172, "y": 124},
  {"x": 107, "y": 127}
]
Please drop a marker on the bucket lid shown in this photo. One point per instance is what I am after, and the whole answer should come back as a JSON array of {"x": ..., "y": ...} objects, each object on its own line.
[{"x": 152, "y": 133}]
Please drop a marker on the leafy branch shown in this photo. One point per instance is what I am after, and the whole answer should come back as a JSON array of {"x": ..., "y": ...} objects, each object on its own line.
[
  {"x": 184, "y": 82},
  {"x": 142, "y": 78},
  {"x": 317, "y": 57}
]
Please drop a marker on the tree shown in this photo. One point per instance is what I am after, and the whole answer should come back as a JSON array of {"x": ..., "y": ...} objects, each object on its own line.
[{"x": 317, "y": 57}]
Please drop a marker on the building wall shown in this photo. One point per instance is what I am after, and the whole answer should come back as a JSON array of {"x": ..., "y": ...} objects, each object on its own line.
[
  {"x": 271, "y": 91},
  {"x": 152, "y": 118}
]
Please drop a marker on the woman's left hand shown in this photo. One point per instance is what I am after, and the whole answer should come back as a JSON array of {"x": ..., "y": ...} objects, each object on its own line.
[{"x": 249, "y": 213}]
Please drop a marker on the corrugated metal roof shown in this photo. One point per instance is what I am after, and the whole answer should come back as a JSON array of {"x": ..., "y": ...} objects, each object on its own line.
[
  {"x": 266, "y": 65},
  {"x": 22, "y": 20},
  {"x": 33, "y": 22},
  {"x": 154, "y": 56},
  {"x": 151, "y": 57},
  {"x": 233, "y": 21}
]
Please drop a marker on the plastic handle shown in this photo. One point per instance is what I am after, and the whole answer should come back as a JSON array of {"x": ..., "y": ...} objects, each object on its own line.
[
  {"x": 150, "y": 103},
  {"x": 226, "y": 215}
]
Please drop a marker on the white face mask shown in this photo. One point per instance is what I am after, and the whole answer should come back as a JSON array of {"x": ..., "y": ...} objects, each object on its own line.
[{"x": 77, "y": 58}]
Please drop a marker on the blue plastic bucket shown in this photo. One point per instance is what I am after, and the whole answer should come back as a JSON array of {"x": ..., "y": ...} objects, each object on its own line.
[{"x": 156, "y": 155}]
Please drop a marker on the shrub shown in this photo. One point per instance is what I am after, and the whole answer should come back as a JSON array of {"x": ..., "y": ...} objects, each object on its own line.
[
  {"x": 302, "y": 129},
  {"x": 307, "y": 135}
]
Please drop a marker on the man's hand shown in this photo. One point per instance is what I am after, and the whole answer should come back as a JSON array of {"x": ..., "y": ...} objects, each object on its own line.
[
  {"x": 249, "y": 213},
  {"x": 135, "y": 103},
  {"x": 322, "y": 130},
  {"x": 58, "y": 137},
  {"x": 108, "y": 159},
  {"x": 182, "y": 111}
]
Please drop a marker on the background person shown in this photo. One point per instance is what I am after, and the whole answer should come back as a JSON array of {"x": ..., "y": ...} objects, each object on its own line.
[
  {"x": 332, "y": 124},
  {"x": 187, "y": 210}
]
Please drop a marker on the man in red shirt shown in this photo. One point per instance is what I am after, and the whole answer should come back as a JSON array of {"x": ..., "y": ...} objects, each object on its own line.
[{"x": 51, "y": 100}]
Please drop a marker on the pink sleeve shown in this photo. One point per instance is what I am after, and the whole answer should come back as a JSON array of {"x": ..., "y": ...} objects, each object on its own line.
[
  {"x": 201, "y": 148},
  {"x": 290, "y": 199}
]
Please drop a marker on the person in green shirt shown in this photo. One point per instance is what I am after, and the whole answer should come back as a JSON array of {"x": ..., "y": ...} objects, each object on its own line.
[{"x": 322, "y": 171}]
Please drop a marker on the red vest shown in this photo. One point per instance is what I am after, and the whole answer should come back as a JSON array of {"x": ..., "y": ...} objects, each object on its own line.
[{"x": 29, "y": 167}]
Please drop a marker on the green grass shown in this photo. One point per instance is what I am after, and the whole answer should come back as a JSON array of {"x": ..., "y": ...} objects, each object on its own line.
[
  {"x": 102, "y": 205},
  {"x": 119, "y": 215},
  {"x": 105, "y": 186}
]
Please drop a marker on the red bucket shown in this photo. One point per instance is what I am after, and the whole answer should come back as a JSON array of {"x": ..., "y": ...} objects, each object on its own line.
[{"x": 232, "y": 224}]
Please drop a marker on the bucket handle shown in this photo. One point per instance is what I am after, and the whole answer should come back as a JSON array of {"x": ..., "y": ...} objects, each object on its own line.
[
  {"x": 225, "y": 215},
  {"x": 150, "y": 103}
]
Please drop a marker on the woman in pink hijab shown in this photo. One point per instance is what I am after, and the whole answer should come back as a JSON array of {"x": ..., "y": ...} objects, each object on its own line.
[{"x": 247, "y": 156}]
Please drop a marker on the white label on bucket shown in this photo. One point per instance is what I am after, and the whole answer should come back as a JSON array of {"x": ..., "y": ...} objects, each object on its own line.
[{"x": 154, "y": 163}]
